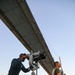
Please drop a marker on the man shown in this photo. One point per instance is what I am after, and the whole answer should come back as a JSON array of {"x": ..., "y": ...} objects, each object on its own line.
[
  {"x": 17, "y": 66},
  {"x": 56, "y": 70}
]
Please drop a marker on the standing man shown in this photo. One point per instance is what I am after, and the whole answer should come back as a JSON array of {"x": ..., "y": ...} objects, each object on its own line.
[
  {"x": 56, "y": 70},
  {"x": 17, "y": 66}
]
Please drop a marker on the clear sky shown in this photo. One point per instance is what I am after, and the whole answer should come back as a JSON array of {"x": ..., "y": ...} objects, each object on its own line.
[{"x": 56, "y": 20}]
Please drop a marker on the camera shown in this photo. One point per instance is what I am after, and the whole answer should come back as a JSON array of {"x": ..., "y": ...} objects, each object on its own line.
[
  {"x": 39, "y": 56},
  {"x": 34, "y": 59}
]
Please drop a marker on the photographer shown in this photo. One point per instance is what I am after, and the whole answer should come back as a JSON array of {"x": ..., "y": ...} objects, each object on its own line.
[{"x": 17, "y": 66}]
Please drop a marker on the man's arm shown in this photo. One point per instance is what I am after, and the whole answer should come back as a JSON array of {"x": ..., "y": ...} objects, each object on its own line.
[
  {"x": 58, "y": 73},
  {"x": 24, "y": 69}
]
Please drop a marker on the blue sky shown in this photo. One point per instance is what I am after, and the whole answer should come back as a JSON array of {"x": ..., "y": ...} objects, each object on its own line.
[{"x": 56, "y": 20}]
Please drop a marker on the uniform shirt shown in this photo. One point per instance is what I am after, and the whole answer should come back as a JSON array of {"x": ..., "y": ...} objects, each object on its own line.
[
  {"x": 16, "y": 66},
  {"x": 55, "y": 71}
]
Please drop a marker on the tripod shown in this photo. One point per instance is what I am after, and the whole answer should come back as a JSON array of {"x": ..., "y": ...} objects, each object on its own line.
[{"x": 33, "y": 73}]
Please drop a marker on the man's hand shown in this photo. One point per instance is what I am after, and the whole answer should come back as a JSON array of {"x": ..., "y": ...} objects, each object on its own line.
[{"x": 24, "y": 56}]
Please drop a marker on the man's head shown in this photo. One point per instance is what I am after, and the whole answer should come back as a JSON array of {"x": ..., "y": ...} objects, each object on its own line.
[
  {"x": 22, "y": 57},
  {"x": 57, "y": 64}
]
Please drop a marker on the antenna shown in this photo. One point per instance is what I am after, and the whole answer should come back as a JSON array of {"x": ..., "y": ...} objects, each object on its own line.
[{"x": 61, "y": 66}]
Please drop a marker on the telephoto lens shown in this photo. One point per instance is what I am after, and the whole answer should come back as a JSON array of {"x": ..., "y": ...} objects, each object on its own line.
[{"x": 42, "y": 55}]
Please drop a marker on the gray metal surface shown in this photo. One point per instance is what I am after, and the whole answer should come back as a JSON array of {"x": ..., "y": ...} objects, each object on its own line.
[{"x": 19, "y": 19}]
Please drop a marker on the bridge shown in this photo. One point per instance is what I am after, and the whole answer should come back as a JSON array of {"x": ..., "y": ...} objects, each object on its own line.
[{"x": 18, "y": 18}]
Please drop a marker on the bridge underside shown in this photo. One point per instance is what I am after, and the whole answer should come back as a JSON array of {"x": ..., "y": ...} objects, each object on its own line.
[{"x": 19, "y": 19}]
